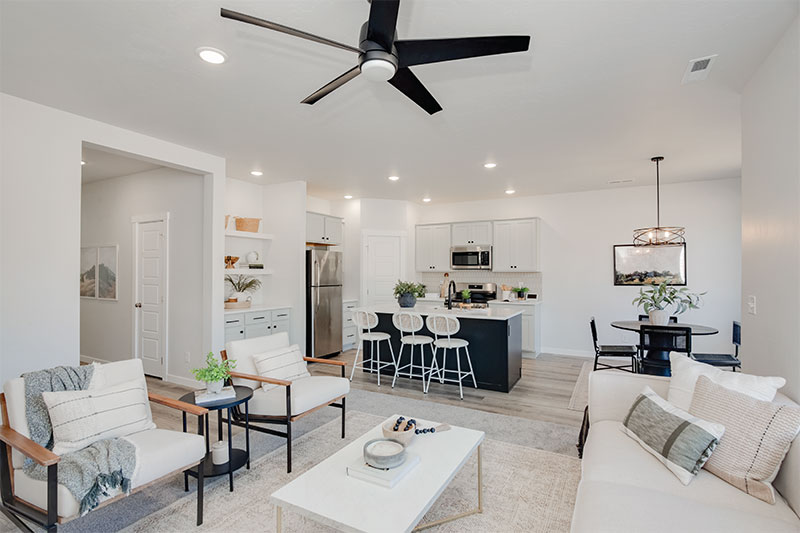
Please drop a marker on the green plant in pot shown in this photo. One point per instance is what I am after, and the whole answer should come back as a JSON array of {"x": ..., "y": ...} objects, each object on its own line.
[
  {"x": 658, "y": 300},
  {"x": 466, "y": 295},
  {"x": 242, "y": 285},
  {"x": 407, "y": 293},
  {"x": 214, "y": 373},
  {"x": 521, "y": 292}
]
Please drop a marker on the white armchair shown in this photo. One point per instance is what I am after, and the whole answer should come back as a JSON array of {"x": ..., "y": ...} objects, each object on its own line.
[
  {"x": 282, "y": 401},
  {"x": 159, "y": 453}
]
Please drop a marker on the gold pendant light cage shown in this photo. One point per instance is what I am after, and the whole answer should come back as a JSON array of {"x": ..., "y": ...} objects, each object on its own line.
[{"x": 658, "y": 235}]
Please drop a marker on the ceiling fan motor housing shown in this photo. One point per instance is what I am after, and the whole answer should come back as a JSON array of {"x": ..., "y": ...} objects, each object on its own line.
[{"x": 376, "y": 63}]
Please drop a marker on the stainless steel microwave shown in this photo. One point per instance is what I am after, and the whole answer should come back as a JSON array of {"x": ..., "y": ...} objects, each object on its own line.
[{"x": 474, "y": 257}]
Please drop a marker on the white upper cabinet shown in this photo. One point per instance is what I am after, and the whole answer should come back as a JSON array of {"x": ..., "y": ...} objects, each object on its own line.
[
  {"x": 516, "y": 246},
  {"x": 323, "y": 229},
  {"x": 472, "y": 233},
  {"x": 433, "y": 248}
]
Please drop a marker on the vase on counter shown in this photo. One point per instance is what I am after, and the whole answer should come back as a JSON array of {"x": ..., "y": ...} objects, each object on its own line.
[
  {"x": 407, "y": 300},
  {"x": 659, "y": 317}
]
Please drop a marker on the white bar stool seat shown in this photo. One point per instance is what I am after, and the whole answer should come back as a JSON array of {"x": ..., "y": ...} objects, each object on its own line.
[
  {"x": 411, "y": 322},
  {"x": 366, "y": 320},
  {"x": 443, "y": 326}
]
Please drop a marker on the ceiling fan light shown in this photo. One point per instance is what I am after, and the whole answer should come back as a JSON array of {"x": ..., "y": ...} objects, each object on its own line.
[{"x": 378, "y": 69}]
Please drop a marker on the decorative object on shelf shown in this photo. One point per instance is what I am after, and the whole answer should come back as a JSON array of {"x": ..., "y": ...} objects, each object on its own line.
[
  {"x": 242, "y": 285},
  {"x": 214, "y": 373},
  {"x": 505, "y": 292},
  {"x": 657, "y": 300},
  {"x": 649, "y": 265},
  {"x": 521, "y": 292},
  {"x": 384, "y": 453},
  {"x": 219, "y": 452},
  {"x": 247, "y": 224},
  {"x": 226, "y": 221},
  {"x": 235, "y": 304},
  {"x": 466, "y": 296},
  {"x": 230, "y": 261},
  {"x": 407, "y": 293},
  {"x": 98, "y": 279},
  {"x": 253, "y": 257},
  {"x": 658, "y": 235}
]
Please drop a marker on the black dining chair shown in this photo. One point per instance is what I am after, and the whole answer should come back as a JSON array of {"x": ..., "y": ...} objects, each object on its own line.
[
  {"x": 663, "y": 339},
  {"x": 672, "y": 320},
  {"x": 612, "y": 350},
  {"x": 724, "y": 359}
]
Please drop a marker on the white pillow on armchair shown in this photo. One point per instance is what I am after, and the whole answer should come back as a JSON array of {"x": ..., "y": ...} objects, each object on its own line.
[{"x": 282, "y": 363}]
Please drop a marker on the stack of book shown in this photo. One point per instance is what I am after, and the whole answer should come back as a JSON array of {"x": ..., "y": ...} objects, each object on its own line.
[
  {"x": 203, "y": 397},
  {"x": 385, "y": 478}
]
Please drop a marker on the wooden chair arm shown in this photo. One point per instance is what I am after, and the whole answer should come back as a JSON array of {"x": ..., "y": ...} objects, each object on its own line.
[
  {"x": 324, "y": 361},
  {"x": 38, "y": 453},
  {"x": 177, "y": 404},
  {"x": 262, "y": 379}
]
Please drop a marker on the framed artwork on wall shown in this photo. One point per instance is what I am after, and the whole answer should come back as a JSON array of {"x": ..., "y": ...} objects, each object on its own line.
[
  {"x": 650, "y": 265},
  {"x": 99, "y": 272}
]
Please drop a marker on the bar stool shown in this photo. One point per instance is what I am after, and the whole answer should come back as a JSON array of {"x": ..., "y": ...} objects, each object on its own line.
[
  {"x": 410, "y": 322},
  {"x": 445, "y": 326},
  {"x": 366, "y": 320}
]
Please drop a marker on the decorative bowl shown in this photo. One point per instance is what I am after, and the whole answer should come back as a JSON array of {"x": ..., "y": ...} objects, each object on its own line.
[
  {"x": 384, "y": 453},
  {"x": 403, "y": 437}
]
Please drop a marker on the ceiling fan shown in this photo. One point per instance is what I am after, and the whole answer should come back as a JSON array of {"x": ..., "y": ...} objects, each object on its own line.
[{"x": 383, "y": 57}]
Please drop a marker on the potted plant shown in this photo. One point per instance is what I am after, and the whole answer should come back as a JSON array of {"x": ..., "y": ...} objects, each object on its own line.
[
  {"x": 466, "y": 295},
  {"x": 407, "y": 293},
  {"x": 242, "y": 285},
  {"x": 657, "y": 300},
  {"x": 215, "y": 373},
  {"x": 521, "y": 292}
]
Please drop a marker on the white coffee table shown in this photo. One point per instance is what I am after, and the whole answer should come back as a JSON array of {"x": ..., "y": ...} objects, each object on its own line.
[{"x": 328, "y": 495}]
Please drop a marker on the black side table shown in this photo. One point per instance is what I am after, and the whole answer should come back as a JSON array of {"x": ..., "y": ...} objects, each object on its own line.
[{"x": 237, "y": 458}]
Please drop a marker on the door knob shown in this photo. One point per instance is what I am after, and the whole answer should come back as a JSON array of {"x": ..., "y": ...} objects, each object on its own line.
[{"x": 138, "y": 305}]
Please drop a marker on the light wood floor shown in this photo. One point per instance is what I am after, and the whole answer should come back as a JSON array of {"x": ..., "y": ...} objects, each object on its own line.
[{"x": 543, "y": 392}]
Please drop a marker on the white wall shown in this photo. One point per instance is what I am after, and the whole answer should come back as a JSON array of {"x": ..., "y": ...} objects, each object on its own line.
[
  {"x": 106, "y": 210},
  {"x": 578, "y": 231},
  {"x": 318, "y": 205},
  {"x": 350, "y": 211},
  {"x": 770, "y": 211},
  {"x": 40, "y": 191}
]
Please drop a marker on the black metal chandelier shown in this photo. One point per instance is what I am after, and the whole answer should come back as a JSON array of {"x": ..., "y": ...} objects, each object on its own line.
[{"x": 658, "y": 234}]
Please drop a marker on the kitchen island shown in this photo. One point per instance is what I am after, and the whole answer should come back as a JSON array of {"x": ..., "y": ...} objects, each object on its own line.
[{"x": 494, "y": 336}]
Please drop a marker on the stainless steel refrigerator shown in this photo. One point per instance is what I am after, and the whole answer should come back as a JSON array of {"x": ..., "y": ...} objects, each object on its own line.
[{"x": 323, "y": 302}]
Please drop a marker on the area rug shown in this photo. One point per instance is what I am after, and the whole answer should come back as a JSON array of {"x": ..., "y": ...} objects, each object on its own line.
[
  {"x": 525, "y": 489},
  {"x": 580, "y": 394}
]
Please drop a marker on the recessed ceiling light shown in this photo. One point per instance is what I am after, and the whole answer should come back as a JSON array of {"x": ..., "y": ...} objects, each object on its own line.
[
  {"x": 426, "y": 199},
  {"x": 348, "y": 196},
  {"x": 212, "y": 55},
  {"x": 394, "y": 178},
  {"x": 83, "y": 162},
  {"x": 256, "y": 173},
  {"x": 510, "y": 191},
  {"x": 489, "y": 165}
]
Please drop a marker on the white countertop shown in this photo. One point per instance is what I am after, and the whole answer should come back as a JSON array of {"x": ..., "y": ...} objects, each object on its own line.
[
  {"x": 491, "y": 302},
  {"x": 481, "y": 314},
  {"x": 257, "y": 308}
]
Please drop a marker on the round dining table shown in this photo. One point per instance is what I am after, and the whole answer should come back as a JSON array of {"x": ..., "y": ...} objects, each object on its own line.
[{"x": 657, "y": 361}]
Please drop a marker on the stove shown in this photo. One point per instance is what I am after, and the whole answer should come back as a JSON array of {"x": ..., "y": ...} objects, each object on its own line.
[{"x": 481, "y": 292}]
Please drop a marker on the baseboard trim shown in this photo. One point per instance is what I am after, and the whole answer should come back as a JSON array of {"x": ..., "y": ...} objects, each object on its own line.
[
  {"x": 570, "y": 353},
  {"x": 186, "y": 382}
]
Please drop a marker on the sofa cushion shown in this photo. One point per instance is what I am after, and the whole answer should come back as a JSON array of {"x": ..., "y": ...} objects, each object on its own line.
[
  {"x": 158, "y": 452},
  {"x": 282, "y": 363},
  {"x": 307, "y": 393},
  {"x": 685, "y": 372},
  {"x": 758, "y": 435},
  {"x": 610, "y": 457}
]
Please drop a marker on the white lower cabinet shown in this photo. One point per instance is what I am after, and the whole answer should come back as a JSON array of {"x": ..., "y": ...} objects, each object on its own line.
[
  {"x": 258, "y": 323},
  {"x": 531, "y": 337},
  {"x": 349, "y": 331}
]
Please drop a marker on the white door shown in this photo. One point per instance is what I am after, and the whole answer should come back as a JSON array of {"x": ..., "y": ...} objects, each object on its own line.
[
  {"x": 481, "y": 233},
  {"x": 150, "y": 305},
  {"x": 333, "y": 230},
  {"x": 503, "y": 246},
  {"x": 525, "y": 246},
  {"x": 423, "y": 248},
  {"x": 315, "y": 228},
  {"x": 461, "y": 234},
  {"x": 383, "y": 267},
  {"x": 440, "y": 248}
]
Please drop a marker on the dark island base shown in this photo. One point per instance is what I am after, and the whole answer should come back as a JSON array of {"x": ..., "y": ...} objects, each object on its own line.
[{"x": 495, "y": 348}]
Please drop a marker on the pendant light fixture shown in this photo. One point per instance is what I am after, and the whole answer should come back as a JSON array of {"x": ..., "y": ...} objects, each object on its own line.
[{"x": 658, "y": 234}]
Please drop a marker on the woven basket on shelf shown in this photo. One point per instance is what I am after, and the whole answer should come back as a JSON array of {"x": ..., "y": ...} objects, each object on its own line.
[
  {"x": 247, "y": 224},
  {"x": 226, "y": 221}
]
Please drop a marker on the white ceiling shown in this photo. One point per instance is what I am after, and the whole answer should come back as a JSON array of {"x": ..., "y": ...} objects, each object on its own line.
[
  {"x": 104, "y": 165},
  {"x": 596, "y": 96}
]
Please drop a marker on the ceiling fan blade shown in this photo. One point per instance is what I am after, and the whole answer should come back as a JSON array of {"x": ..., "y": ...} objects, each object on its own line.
[
  {"x": 241, "y": 17},
  {"x": 407, "y": 83},
  {"x": 422, "y": 51},
  {"x": 382, "y": 22},
  {"x": 332, "y": 86}
]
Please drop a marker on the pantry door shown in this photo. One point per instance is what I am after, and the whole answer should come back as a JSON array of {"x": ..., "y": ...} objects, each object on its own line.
[{"x": 384, "y": 262}]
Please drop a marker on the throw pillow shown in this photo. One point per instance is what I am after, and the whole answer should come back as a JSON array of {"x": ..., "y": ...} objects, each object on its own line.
[
  {"x": 80, "y": 418},
  {"x": 682, "y": 442},
  {"x": 283, "y": 363},
  {"x": 685, "y": 372},
  {"x": 757, "y": 436}
]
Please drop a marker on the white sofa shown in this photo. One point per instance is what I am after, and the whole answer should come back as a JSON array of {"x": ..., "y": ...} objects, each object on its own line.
[
  {"x": 159, "y": 452},
  {"x": 624, "y": 488}
]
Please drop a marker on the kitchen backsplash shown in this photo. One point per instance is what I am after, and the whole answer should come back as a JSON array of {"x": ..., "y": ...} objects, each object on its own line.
[{"x": 532, "y": 280}]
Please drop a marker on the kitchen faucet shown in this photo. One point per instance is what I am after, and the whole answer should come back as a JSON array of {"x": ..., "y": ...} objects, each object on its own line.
[{"x": 450, "y": 298}]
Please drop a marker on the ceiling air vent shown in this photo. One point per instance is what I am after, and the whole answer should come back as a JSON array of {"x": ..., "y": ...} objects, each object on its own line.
[{"x": 698, "y": 69}]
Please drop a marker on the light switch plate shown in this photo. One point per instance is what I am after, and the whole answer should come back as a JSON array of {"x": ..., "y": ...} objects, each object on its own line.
[{"x": 751, "y": 305}]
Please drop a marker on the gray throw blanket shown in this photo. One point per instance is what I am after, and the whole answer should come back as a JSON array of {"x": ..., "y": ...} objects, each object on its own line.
[{"x": 88, "y": 473}]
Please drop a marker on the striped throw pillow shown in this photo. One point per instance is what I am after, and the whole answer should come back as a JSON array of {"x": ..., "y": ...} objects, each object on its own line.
[
  {"x": 682, "y": 442},
  {"x": 284, "y": 363},
  {"x": 757, "y": 436},
  {"x": 80, "y": 418}
]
